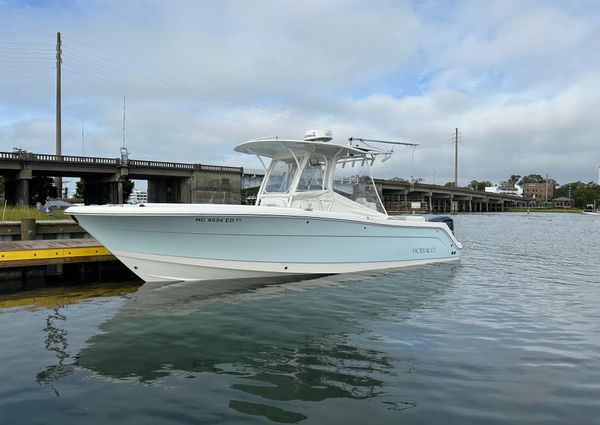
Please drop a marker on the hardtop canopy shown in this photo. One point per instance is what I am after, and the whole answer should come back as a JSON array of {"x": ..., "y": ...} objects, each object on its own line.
[{"x": 272, "y": 147}]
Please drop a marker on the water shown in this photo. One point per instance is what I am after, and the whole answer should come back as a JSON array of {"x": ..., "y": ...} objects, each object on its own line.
[{"x": 510, "y": 335}]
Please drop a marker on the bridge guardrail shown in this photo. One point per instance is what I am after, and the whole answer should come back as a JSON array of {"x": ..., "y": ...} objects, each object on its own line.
[
  {"x": 219, "y": 168},
  {"x": 28, "y": 156},
  {"x": 160, "y": 164}
]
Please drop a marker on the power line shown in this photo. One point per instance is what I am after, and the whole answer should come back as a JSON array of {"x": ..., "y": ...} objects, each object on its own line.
[
  {"x": 18, "y": 77},
  {"x": 84, "y": 66},
  {"x": 498, "y": 162}
]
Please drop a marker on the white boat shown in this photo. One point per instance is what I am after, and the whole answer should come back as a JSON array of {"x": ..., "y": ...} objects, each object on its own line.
[
  {"x": 590, "y": 209},
  {"x": 317, "y": 212}
]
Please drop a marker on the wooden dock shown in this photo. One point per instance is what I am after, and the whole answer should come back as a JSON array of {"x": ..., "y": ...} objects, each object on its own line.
[
  {"x": 57, "y": 251},
  {"x": 36, "y": 264}
]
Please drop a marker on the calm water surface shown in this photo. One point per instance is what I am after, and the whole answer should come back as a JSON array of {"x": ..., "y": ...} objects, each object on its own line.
[{"x": 510, "y": 335}]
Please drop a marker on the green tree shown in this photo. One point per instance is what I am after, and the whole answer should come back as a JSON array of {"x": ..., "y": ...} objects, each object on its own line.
[
  {"x": 479, "y": 185},
  {"x": 513, "y": 180},
  {"x": 532, "y": 178},
  {"x": 79, "y": 189},
  {"x": 568, "y": 190},
  {"x": 581, "y": 193},
  {"x": 127, "y": 188},
  {"x": 41, "y": 188},
  {"x": 536, "y": 178},
  {"x": 588, "y": 194}
]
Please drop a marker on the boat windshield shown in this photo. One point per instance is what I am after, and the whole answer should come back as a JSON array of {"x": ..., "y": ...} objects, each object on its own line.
[
  {"x": 313, "y": 174},
  {"x": 281, "y": 174},
  {"x": 352, "y": 179}
]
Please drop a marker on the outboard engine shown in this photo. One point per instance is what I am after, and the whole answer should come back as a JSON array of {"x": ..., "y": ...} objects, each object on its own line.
[{"x": 444, "y": 219}]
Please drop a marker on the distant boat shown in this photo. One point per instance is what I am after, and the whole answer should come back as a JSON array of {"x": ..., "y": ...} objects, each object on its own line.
[{"x": 590, "y": 209}]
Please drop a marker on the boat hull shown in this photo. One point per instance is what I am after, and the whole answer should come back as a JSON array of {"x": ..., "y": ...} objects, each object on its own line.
[
  {"x": 226, "y": 242},
  {"x": 163, "y": 268}
]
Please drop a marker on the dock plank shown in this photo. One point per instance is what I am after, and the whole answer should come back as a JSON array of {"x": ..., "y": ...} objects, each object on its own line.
[{"x": 57, "y": 251}]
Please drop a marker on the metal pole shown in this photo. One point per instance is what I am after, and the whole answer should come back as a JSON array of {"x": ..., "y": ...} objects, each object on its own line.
[
  {"x": 546, "y": 190},
  {"x": 58, "y": 110},
  {"x": 123, "y": 122}
]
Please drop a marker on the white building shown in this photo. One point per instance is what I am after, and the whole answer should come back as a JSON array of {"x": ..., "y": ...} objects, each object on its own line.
[
  {"x": 138, "y": 197},
  {"x": 506, "y": 190}
]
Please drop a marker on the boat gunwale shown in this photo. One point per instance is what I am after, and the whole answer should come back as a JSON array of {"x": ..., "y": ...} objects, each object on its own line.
[{"x": 265, "y": 212}]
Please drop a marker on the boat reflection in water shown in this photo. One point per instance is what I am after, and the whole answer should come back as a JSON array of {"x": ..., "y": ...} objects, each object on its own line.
[
  {"x": 56, "y": 342},
  {"x": 275, "y": 346}
]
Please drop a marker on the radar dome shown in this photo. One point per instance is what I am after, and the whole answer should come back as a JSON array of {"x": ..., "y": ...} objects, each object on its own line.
[{"x": 318, "y": 136}]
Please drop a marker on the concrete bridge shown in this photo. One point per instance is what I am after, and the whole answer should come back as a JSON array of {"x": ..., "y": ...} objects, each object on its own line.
[
  {"x": 103, "y": 178},
  {"x": 403, "y": 196},
  {"x": 199, "y": 183}
]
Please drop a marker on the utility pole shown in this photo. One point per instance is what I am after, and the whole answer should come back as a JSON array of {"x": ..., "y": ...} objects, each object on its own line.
[
  {"x": 58, "y": 180},
  {"x": 546, "y": 187},
  {"x": 456, "y": 158}
]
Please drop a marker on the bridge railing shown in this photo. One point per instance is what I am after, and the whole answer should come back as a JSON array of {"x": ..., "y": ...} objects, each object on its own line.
[
  {"x": 160, "y": 164},
  {"x": 28, "y": 156},
  {"x": 9, "y": 155},
  {"x": 219, "y": 168},
  {"x": 76, "y": 159}
]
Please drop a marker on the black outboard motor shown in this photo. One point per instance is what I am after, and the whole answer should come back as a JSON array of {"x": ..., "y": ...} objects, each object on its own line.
[{"x": 444, "y": 219}]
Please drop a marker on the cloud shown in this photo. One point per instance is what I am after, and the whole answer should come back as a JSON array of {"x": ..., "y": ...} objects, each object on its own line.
[{"x": 517, "y": 78}]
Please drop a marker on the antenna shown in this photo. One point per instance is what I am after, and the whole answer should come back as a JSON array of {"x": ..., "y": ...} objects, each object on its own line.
[
  {"x": 387, "y": 154},
  {"x": 360, "y": 139},
  {"x": 124, "y": 153},
  {"x": 123, "y": 122},
  {"x": 82, "y": 138}
]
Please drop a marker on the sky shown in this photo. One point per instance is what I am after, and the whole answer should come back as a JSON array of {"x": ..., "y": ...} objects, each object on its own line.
[{"x": 519, "y": 79}]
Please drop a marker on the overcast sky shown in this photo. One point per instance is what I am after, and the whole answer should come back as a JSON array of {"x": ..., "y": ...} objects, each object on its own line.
[{"x": 520, "y": 79}]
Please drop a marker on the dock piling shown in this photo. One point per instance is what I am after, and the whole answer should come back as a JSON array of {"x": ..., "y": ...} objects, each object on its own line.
[{"x": 28, "y": 229}]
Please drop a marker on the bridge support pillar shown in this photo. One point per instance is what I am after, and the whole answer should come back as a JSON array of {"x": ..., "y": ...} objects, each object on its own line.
[
  {"x": 16, "y": 188},
  {"x": 216, "y": 187},
  {"x": 169, "y": 190},
  {"x": 104, "y": 190}
]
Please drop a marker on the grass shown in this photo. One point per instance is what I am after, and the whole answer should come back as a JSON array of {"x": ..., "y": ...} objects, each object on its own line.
[
  {"x": 545, "y": 210},
  {"x": 17, "y": 213}
]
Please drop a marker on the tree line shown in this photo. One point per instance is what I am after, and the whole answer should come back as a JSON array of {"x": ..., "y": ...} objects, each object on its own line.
[
  {"x": 581, "y": 193},
  {"x": 42, "y": 188}
]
